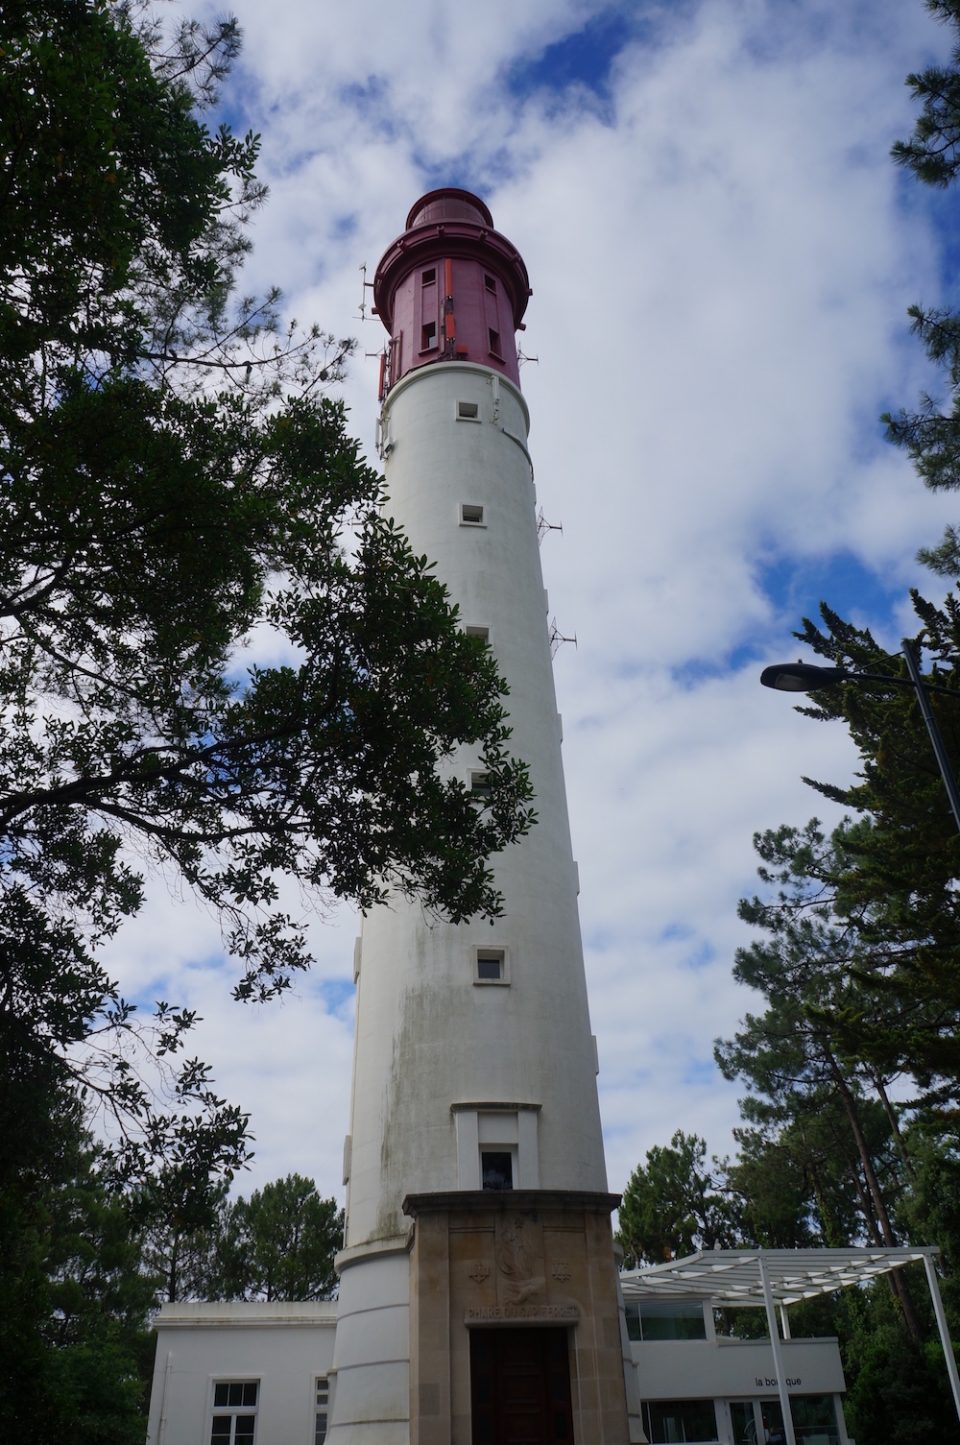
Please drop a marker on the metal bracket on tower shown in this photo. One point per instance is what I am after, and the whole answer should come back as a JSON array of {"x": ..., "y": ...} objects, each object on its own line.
[
  {"x": 384, "y": 441},
  {"x": 543, "y": 526},
  {"x": 362, "y": 313},
  {"x": 522, "y": 357},
  {"x": 557, "y": 638}
]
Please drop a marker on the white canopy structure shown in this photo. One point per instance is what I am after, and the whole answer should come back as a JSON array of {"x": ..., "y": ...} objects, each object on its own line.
[
  {"x": 732, "y": 1277},
  {"x": 761, "y": 1278}
]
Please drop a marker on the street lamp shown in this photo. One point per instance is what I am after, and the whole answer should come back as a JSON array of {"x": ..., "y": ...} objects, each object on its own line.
[{"x": 808, "y": 677}]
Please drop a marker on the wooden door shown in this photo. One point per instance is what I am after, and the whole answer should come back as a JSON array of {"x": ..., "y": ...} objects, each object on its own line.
[{"x": 520, "y": 1387}]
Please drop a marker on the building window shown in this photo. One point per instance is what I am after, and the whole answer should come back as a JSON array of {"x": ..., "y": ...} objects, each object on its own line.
[
  {"x": 496, "y": 1169},
  {"x": 667, "y": 1421},
  {"x": 814, "y": 1418},
  {"x": 489, "y": 283},
  {"x": 468, "y": 411},
  {"x": 234, "y": 1412},
  {"x": 491, "y": 965},
  {"x": 323, "y": 1400},
  {"x": 471, "y": 515},
  {"x": 428, "y": 336},
  {"x": 495, "y": 342},
  {"x": 665, "y": 1319},
  {"x": 475, "y": 630}
]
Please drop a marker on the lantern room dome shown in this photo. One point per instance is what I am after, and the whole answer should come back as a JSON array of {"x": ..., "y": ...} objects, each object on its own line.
[
  {"x": 450, "y": 288},
  {"x": 448, "y": 204}
]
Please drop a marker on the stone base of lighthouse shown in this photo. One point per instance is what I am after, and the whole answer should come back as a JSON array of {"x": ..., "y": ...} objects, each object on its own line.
[
  {"x": 510, "y": 1306},
  {"x": 515, "y": 1319}
]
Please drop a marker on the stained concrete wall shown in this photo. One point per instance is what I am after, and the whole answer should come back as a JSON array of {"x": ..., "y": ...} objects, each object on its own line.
[{"x": 428, "y": 1037}]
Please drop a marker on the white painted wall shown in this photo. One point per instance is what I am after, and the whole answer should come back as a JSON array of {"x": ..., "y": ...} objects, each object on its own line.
[
  {"x": 372, "y": 1352},
  {"x": 698, "y": 1369},
  {"x": 282, "y": 1346},
  {"x": 432, "y": 1043},
  {"x": 428, "y": 1038},
  {"x": 286, "y": 1346}
]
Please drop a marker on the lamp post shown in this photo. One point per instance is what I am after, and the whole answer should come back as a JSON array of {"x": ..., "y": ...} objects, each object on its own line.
[{"x": 808, "y": 677}]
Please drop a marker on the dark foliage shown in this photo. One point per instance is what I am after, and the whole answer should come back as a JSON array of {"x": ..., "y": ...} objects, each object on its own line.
[{"x": 172, "y": 478}]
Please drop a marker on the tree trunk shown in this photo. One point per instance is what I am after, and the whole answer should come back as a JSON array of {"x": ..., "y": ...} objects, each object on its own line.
[
  {"x": 173, "y": 1272},
  {"x": 897, "y": 1283},
  {"x": 894, "y": 1122},
  {"x": 866, "y": 1208}
]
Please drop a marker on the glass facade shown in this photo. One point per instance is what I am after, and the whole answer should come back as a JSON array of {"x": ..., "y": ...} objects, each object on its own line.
[
  {"x": 665, "y": 1319},
  {"x": 760, "y": 1422},
  {"x": 666, "y": 1421}
]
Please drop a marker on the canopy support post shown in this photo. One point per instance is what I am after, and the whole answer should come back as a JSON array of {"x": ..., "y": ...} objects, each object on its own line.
[
  {"x": 777, "y": 1354},
  {"x": 948, "y": 1355}
]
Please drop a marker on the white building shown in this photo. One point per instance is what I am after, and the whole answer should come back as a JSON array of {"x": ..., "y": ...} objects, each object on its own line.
[
  {"x": 242, "y": 1374},
  {"x": 700, "y": 1384},
  {"x": 260, "y": 1374}
]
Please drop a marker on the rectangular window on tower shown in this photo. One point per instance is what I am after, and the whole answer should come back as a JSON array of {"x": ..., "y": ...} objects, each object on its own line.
[
  {"x": 475, "y": 630},
  {"x": 428, "y": 309},
  {"x": 495, "y": 342},
  {"x": 481, "y": 786},
  {"x": 489, "y": 283},
  {"x": 468, "y": 411},
  {"x": 497, "y": 1145},
  {"x": 471, "y": 514},
  {"x": 496, "y": 1169}
]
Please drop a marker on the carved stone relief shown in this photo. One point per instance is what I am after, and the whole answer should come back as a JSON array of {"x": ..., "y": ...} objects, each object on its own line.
[{"x": 518, "y": 1279}]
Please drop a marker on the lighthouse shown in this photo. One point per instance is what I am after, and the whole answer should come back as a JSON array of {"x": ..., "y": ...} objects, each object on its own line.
[{"x": 479, "y": 1300}]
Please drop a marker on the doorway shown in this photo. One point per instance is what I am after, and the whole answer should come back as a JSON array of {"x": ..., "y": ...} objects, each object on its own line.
[
  {"x": 816, "y": 1421},
  {"x": 520, "y": 1387},
  {"x": 756, "y": 1421}
]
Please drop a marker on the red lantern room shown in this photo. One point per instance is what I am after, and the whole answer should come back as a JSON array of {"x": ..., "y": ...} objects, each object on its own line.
[{"x": 451, "y": 288}]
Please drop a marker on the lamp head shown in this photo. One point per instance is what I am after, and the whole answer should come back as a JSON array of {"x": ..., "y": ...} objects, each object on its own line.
[{"x": 801, "y": 676}]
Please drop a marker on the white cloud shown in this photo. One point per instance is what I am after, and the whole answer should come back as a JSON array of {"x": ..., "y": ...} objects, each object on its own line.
[{"x": 721, "y": 262}]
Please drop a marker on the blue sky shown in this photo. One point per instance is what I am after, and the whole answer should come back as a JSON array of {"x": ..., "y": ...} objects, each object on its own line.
[
  {"x": 582, "y": 58},
  {"x": 721, "y": 255}
]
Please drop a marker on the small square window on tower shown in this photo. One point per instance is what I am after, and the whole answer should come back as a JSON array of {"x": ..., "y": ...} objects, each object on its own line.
[
  {"x": 489, "y": 283},
  {"x": 495, "y": 342},
  {"x": 471, "y": 515},
  {"x": 481, "y": 786},
  {"x": 474, "y": 630},
  {"x": 428, "y": 336},
  {"x": 429, "y": 277},
  {"x": 468, "y": 411},
  {"x": 491, "y": 966}
]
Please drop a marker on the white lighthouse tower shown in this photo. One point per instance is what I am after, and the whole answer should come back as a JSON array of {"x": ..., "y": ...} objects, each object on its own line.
[{"x": 479, "y": 1299}]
